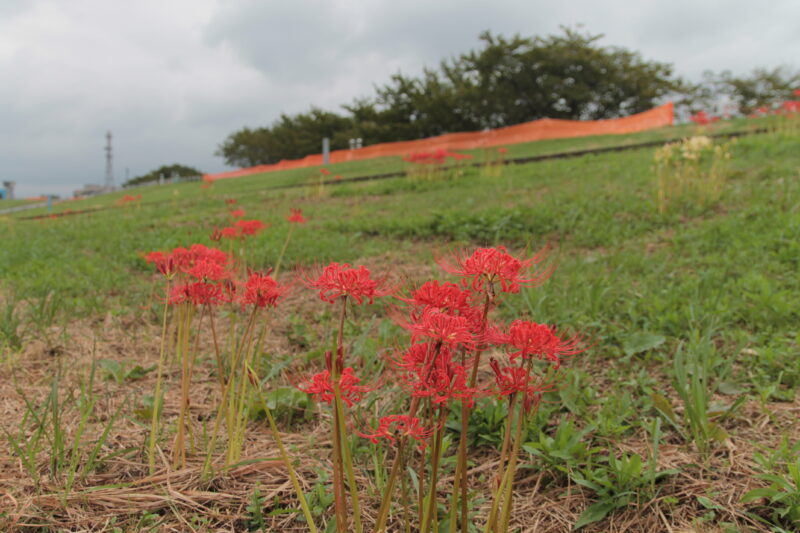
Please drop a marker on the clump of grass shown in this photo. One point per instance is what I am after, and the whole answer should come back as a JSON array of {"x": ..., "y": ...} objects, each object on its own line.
[{"x": 691, "y": 173}]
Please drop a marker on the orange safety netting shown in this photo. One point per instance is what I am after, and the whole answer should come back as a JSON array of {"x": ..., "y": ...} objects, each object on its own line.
[{"x": 536, "y": 130}]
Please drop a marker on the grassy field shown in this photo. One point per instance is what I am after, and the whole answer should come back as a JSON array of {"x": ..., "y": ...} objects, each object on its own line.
[
  {"x": 682, "y": 405},
  {"x": 8, "y": 204}
]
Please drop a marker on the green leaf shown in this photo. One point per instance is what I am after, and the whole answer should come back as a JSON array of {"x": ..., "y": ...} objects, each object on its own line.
[
  {"x": 663, "y": 404},
  {"x": 113, "y": 368},
  {"x": 717, "y": 432},
  {"x": 730, "y": 388},
  {"x": 707, "y": 503},
  {"x": 757, "y": 494},
  {"x": 593, "y": 513},
  {"x": 641, "y": 342},
  {"x": 138, "y": 372}
]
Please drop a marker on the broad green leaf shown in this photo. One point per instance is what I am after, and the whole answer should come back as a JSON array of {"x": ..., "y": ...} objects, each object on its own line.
[
  {"x": 707, "y": 503},
  {"x": 138, "y": 372},
  {"x": 663, "y": 404},
  {"x": 593, "y": 513},
  {"x": 730, "y": 388},
  {"x": 641, "y": 342},
  {"x": 757, "y": 494}
]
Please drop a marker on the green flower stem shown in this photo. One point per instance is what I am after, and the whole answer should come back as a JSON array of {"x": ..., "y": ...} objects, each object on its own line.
[
  {"x": 512, "y": 462},
  {"x": 284, "y": 456},
  {"x": 224, "y": 400},
  {"x": 460, "y": 479},
  {"x": 348, "y": 465},
  {"x": 383, "y": 510},
  {"x": 283, "y": 251},
  {"x": 151, "y": 457},
  {"x": 501, "y": 471},
  {"x": 430, "y": 511}
]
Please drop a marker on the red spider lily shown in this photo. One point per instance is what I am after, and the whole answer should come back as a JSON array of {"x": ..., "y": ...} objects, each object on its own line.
[
  {"x": 510, "y": 380},
  {"x": 447, "y": 329},
  {"x": 791, "y": 106},
  {"x": 297, "y": 216},
  {"x": 208, "y": 270},
  {"x": 164, "y": 263},
  {"x": 700, "y": 118},
  {"x": 447, "y": 297},
  {"x": 128, "y": 199},
  {"x": 341, "y": 280},
  {"x": 442, "y": 382},
  {"x": 796, "y": 92},
  {"x": 249, "y": 227},
  {"x": 502, "y": 150},
  {"x": 261, "y": 290},
  {"x": 216, "y": 235},
  {"x": 321, "y": 387},
  {"x": 230, "y": 201},
  {"x": 198, "y": 293},
  {"x": 417, "y": 355},
  {"x": 514, "y": 379},
  {"x": 487, "y": 266},
  {"x": 197, "y": 252},
  {"x": 238, "y": 213},
  {"x": 404, "y": 425},
  {"x": 185, "y": 260},
  {"x": 435, "y": 376},
  {"x": 325, "y": 171},
  {"x": 337, "y": 177},
  {"x": 206, "y": 185},
  {"x": 458, "y": 157},
  {"x": 230, "y": 233},
  {"x": 530, "y": 338},
  {"x": 179, "y": 294},
  {"x": 436, "y": 157}
]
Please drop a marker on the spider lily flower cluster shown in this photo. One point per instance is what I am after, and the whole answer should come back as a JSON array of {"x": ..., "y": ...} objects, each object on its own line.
[
  {"x": 430, "y": 165},
  {"x": 200, "y": 280},
  {"x": 202, "y": 284},
  {"x": 450, "y": 327},
  {"x": 129, "y": 199},
  {"x": 455, "y": 355}
]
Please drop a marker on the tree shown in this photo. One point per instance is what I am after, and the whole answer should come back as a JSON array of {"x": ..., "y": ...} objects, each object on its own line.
[
  {"x": 505, "y": 82},
  {"x": 167, "y": 171},
  {"x": 289, "y": 137},
  {"x": 762, "y": 87}
]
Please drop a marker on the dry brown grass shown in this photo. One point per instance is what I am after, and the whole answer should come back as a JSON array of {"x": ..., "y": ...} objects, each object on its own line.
[{"x": 122, "y": 490}]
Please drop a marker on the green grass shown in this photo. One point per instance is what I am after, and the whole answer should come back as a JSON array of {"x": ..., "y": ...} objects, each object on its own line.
[
  {"x": 717, "y": 286},
  {"x": 7, "y": 204}
]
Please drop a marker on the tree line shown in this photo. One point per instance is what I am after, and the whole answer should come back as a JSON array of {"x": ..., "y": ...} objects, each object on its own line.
[
  {"x": 165, "y": 171},
  {"x": 506, "y": 81}
]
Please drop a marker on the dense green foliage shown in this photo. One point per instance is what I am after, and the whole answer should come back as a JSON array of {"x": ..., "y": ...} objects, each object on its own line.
[
  {"x": 762, "y": 87},
  {"x": 167, "y": 171},
  {"x": 505, "y": 82}
]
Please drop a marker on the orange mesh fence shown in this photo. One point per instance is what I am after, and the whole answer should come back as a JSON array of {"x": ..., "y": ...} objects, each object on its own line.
[{"x": 537, "y": 130}]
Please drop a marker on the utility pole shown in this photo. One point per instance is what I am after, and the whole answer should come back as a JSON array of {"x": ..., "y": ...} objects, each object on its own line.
[
  {"x": 326, "y": 150},
  {"x": 109, "y": 163}
]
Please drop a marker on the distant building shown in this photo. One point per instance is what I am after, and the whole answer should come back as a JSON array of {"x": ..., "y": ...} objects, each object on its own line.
[
  {"x": 7, "y": 192},
  {"x": 92, "y": 190}
]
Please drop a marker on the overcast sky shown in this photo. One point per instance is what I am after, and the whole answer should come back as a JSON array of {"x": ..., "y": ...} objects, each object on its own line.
[{"x": 172, "y": 78}]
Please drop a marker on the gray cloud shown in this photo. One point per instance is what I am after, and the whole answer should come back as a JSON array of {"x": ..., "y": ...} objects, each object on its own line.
[{"x": 171, "y": 80}]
